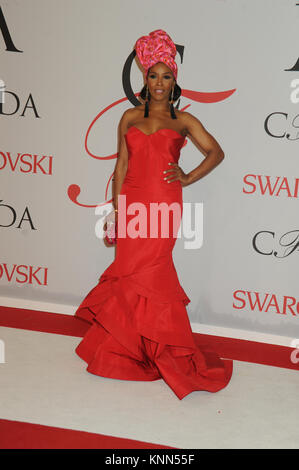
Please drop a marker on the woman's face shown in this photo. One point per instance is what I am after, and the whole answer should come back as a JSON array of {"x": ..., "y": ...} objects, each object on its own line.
[{"x": 160, "y": 81}]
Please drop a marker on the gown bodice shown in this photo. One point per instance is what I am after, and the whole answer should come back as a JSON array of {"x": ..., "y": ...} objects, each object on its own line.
[{"x": 148, "y": 156}]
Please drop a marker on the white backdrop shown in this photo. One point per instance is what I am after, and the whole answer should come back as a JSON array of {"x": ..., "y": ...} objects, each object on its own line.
[{"x": 62, "y": 65}]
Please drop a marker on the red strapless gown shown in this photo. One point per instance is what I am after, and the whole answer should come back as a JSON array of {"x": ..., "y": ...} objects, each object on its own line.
[{"x": 140, "y": 328}]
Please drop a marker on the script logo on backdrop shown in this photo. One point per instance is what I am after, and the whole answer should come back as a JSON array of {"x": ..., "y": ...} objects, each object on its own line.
[
  {"x": 288, "y": 243},
  {"x": 74, "y": 190},
  {"x": 283, "y": 125}
]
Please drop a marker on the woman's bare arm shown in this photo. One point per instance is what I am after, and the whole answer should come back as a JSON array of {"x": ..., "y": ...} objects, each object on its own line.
[
  {"x": 121, "y": 165},
  {"x": 206, "y": 143}
]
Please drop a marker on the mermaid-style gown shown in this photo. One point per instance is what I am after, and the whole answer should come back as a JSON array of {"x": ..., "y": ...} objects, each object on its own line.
[{"x": 140, "y": 328}]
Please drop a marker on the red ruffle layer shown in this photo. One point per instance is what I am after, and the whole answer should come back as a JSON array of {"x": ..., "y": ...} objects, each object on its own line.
[{"x": 135, "y": 335}]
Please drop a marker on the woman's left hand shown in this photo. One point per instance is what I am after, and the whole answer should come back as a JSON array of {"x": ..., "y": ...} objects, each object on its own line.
[{"x": 176, "y": 174}]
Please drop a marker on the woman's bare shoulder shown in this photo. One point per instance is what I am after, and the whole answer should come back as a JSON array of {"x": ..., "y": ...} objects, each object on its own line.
[
  {"x": 132, "y": 114},
  {"x": 189, "y": 118}
]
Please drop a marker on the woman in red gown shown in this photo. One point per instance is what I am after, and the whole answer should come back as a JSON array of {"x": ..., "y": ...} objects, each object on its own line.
[{"x": 140, "y": 328}]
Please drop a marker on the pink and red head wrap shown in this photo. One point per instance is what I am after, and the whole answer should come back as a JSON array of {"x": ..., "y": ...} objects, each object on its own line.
[{"x": 156, "y": 47}]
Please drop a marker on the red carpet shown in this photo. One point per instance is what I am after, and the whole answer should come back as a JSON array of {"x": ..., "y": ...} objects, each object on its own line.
[
  {"x": 238, "y": 349},
  {"x": 19, "y": 435}
]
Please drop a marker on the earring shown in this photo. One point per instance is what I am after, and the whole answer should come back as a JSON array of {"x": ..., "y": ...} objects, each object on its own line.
[
  {"x": 172, "y": 113},
  {"x": 146, "y": 110}
]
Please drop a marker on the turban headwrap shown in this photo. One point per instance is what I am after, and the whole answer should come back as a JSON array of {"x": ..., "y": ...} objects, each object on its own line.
[{"x": 156, "y": 47}]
